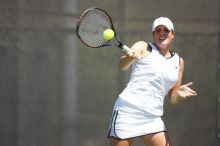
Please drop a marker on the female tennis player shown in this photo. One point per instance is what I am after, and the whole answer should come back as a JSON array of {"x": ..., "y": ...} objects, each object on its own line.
[{"x": 139, "y": 107}]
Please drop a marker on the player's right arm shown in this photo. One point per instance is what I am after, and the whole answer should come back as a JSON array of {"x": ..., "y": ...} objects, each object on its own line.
[{"x": 126, "y": 60}]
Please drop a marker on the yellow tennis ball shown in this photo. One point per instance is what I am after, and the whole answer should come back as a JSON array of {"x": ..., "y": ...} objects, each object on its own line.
[{"x": 108, "y": 34}]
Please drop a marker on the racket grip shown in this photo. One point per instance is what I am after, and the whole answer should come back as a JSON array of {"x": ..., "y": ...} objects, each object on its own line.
[{"x": 129, "y": 51}]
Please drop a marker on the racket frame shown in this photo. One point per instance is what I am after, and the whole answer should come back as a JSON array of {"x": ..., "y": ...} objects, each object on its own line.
[{"x": 119, "y": 45}]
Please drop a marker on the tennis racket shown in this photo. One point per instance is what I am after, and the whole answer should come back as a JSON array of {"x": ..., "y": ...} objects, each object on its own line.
[{"x": 90, "y": 27}]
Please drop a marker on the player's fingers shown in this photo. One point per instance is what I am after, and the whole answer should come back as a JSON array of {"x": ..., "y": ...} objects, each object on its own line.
[
  {"x": 131, "y": 54},
  {"x": 191, "y": 92},
  {"x": 188, "y": 84}
]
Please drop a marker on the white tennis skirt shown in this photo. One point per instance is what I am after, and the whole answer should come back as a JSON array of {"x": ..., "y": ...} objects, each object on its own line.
[{"x": 133, "y": 123}]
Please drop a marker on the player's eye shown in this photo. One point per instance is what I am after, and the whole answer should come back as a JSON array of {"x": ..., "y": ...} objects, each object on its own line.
[
  {"x": 166, "y": 30},
  {"x": 162, "y": 30}
]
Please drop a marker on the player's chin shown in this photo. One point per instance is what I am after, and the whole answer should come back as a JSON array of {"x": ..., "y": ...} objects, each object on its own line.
[{"x": 163, "y": 43}]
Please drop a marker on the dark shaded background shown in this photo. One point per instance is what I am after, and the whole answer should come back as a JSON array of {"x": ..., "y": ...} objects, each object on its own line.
[{"x": 54, "y": 91}]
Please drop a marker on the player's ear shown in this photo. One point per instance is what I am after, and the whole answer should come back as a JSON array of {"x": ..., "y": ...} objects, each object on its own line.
[{"x": 173, "y": 34}]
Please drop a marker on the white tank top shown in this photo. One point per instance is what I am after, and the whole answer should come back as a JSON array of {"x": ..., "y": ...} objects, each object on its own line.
[{"x": 151, "y": 79}]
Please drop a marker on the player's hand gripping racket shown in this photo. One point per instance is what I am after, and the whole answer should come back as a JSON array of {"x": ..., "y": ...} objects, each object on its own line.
[{"x": 91, "y": 26}]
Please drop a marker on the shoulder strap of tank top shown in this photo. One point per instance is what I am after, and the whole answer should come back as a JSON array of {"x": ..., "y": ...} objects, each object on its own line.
[{"x": 153, "y": 47}]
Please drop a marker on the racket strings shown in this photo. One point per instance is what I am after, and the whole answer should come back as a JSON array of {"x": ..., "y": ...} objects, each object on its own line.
[{"x": 91, "y": 27}]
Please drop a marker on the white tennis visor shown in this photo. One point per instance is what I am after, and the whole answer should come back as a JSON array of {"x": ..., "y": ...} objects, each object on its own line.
[{"x": 163, "y": 21}]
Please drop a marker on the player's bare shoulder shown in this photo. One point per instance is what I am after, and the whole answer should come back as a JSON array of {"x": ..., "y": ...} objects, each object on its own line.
[{"x": 141, "y": 48}]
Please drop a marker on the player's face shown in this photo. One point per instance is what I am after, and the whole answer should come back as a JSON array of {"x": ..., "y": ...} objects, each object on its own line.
[{"x": 162, "y": 36}]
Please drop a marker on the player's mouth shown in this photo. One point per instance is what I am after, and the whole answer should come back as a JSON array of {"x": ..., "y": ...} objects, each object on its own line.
[{"x": 162, "y": 39}]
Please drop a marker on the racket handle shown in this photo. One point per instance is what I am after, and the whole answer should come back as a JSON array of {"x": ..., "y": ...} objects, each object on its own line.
[{"x": 129, "y": 51}]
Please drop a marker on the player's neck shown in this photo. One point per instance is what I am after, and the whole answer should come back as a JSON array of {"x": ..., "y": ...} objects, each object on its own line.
[{"x": 165, "y": 52}]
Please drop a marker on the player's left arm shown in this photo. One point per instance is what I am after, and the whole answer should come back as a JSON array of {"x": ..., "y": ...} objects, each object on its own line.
[{"x": 179, "y": 92}]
